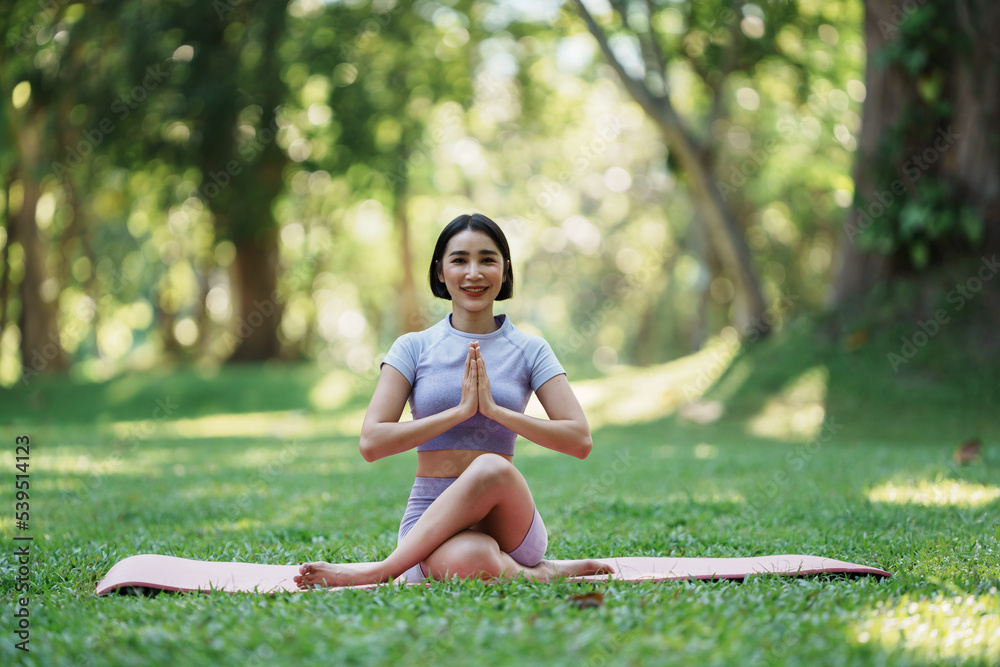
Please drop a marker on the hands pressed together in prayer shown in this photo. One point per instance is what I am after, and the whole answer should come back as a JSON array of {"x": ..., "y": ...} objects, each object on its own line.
[{"x": 476, "y": 396}]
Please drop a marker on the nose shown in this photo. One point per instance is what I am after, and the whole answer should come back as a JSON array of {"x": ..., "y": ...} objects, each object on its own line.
[{"x": 473, "y": 269}]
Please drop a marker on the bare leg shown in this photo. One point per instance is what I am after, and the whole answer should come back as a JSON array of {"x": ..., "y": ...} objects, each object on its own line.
[
  {"x": 491, "y": 496},
  {"x": 474, "y": 554}
]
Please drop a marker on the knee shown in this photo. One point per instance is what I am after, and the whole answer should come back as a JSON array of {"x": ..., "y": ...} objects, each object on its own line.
[
  {"x": 466, "y": 555},
  {"x": 491, "y": 470}
]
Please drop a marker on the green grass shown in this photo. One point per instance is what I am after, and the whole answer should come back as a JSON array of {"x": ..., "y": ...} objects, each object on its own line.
[{"x": 256, "y": 464}]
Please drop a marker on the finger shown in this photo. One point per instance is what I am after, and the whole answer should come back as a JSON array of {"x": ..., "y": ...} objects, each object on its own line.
[{"x": 484, "y": 379}]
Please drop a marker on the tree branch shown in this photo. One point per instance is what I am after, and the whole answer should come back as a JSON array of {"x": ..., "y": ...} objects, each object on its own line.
[
  {"x": 728, "y": 67},
  {"x": 652, "y": 60},
  {"x": 654, "y": 105},
  {"x": 657, "y": 52}
]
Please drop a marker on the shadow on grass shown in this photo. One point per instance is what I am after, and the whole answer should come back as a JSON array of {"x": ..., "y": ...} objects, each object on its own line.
[
  {"x": 877, "y": 381},
  {"x": 171, "y": 393}
]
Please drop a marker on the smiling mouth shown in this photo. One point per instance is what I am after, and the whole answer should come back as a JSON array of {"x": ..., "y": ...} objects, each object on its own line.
[{"x": 474, "y": 290}]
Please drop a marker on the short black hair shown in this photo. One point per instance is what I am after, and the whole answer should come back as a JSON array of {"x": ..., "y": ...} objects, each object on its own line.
[{"x": 476, "y": 222}]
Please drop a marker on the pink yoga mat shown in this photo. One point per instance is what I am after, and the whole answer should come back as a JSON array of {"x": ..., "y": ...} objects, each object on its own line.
[{"x": 182, "y": 574}]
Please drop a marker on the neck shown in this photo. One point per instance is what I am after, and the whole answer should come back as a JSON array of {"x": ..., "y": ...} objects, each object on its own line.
[{"x": 480, "y": 322}]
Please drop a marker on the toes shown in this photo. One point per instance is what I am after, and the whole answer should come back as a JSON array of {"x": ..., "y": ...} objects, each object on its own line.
[{"x": 604, "y": 569}]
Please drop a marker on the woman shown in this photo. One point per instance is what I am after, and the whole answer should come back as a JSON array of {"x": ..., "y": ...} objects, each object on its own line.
[{"x": 468, "y": 379}]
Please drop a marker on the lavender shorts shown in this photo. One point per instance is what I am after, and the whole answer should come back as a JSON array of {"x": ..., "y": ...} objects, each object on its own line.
[{"x": 426, "y": 489}]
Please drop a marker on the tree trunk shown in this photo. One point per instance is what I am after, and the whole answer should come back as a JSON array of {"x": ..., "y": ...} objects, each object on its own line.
[
  {"x": 976, "y": 168},
  {"x": 725, "y": 233},
  {"x": 967, "y": 165},
  {"x": 41, "y": 349},
  {"x": 725, "y": 236},
  {"x": 255, "y": 278},
  {"x": 409, "y": 309}
]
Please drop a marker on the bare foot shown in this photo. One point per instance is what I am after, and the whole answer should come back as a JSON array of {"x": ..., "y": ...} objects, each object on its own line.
[
  {"x": 340, "y": 574},
  {"x": 548, "y": 570}
]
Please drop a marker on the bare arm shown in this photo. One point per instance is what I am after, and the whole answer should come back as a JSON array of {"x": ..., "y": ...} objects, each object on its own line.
[
  {"x": 566, "y": 430},
  {"x": 383, "y": 435}
]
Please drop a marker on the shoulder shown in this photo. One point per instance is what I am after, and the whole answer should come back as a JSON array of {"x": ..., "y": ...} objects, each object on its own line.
[
  {"x": 417, "y": 340},
  {"x": 528, "y": 342},
  {"x": 406, "y": 352}
]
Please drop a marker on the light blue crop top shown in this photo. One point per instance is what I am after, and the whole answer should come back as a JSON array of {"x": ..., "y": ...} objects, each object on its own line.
[{"x": 433, "y": 361}]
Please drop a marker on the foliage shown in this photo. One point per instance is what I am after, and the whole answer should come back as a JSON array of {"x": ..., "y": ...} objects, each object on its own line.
[
  {"x": 924, "y": 50},
  {"x": 387, "y": 116}
]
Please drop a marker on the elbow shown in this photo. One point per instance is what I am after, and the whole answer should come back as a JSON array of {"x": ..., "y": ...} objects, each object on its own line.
[
  {"x": 366, "y": 449},
  {"x": 585, "y": 447}
]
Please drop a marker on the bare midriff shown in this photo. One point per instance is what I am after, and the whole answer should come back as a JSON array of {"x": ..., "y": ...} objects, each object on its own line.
[{"x": 448, "y": 462}]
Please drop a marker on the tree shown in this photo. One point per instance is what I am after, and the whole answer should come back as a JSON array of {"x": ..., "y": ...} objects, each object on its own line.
[
  {"x": 219, "y": 91},
  {"x": 927, "y": 179},
  {"x": 693, "y": 154},
  {"x": 23, "y": 167}
]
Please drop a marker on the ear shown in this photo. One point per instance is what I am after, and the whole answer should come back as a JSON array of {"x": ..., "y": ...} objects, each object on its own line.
[{"x": 440, "y": 273}]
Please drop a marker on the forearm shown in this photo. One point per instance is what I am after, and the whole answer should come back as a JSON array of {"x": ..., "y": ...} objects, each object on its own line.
[
  {"x": 383, "y": 439},
  {"x": 568, "y": 436}
]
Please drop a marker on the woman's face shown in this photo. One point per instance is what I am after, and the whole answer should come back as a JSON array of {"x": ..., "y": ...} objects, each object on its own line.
[{"x": 472, "y": 269}]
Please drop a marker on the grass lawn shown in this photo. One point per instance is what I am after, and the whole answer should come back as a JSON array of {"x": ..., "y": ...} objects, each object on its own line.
[{"x": 799, "y": 446}]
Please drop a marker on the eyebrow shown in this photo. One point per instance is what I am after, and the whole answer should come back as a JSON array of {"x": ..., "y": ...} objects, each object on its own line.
[{"x": 484, "y": 251}]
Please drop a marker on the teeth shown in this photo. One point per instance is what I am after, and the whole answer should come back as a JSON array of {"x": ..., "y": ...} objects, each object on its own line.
[{"x": 474, "y": 289}]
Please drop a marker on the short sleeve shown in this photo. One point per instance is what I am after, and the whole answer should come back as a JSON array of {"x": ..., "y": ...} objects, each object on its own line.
[
  {"x": 545, "y": 366},
  {"x": 403, "y": 357}
]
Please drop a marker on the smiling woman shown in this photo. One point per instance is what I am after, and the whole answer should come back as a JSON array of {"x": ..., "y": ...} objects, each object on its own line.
[
  {"x": 467, "y": 379},
  {"x": 471, "y": 268}
]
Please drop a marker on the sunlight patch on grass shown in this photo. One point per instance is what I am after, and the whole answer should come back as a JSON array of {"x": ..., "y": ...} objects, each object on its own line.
[
  {"x": 283, "y": 425},
  {"x": 287, "y": 424},
  {"x": 665, "y": 452},
  {"x": 940, "y": 628},
  {"x": 632, "y": 395},
  {"x": 93, "y": 467},
  {"x": 708, "y": 497},
  {"x": 703, "y": 450},
  {"x": 333, "y": 390},
  {"x": 927, "y": 493},
  {"x": 797, "y": 413}
]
